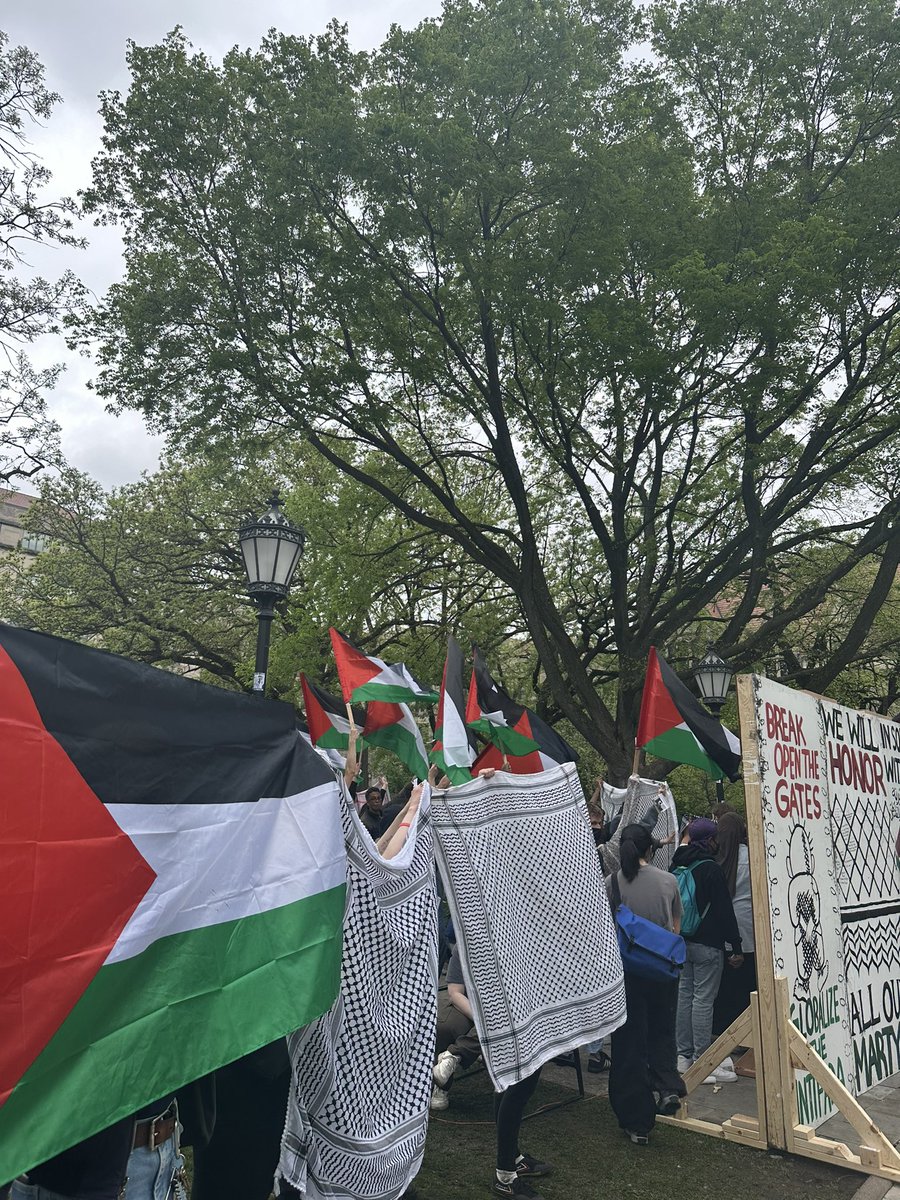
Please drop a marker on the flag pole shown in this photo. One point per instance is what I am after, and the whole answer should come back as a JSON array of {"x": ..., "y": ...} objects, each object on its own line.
[{"x": 637, "y": 759}]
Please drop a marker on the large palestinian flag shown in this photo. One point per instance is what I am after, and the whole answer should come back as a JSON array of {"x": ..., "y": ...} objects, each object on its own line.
[
  {"x": 494, "y": 714},
  {"x": 171, "y": 887},
  {"x": 393, "y": 727},
  {"x": 365, "y": 677},
  {"x": 552, "y": 749},
  {"x": 674, "y": 725},
  {"x": 326, "y": 717},
  {"x": 452, "y": 750}
]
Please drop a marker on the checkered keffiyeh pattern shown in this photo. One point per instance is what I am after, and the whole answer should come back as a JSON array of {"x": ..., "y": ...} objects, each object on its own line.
[
  {"x": 358, "y": 1108},
  {"x": 536, "y": 937}
]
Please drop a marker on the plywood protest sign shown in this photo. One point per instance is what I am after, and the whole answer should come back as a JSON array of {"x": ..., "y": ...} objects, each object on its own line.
[{"x": 830, "y": 796}]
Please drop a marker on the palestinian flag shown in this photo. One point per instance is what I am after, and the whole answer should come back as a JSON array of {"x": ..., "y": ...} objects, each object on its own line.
[
  {"x": 326, "y": 717},
  {"x": 334, "y": 758},
  {"x": 552, "y": 749},
  {"x": 393, "y": 727},
  {"x": 172, "y": 881},
  {"x": 675, "y": 725},
  {"x": 452, "y": 750},
  {"x": 364, "y": 677},
  {"x": 493, "y": 714}
]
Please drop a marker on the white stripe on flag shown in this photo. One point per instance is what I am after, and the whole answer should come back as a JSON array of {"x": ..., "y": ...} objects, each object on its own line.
[{"x": 216, "y": 863}]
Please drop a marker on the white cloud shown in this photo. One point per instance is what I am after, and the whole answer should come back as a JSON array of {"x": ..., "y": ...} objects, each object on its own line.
[{"x": 82, "y": 47}]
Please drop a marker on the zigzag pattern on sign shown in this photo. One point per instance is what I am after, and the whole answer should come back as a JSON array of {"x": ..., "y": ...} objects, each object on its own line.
[{"x": 872, "y": 945}]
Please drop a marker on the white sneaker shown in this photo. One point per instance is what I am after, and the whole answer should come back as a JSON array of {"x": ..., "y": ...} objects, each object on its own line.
[
  {"x": 445, "y": 1068},
  {"x": 721, "y": 1075},
  {"x": 684, "y": 1064},
  {"x": 440, "y": 1098}
]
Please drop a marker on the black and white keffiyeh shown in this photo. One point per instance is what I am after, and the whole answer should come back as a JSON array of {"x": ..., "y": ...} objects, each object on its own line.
[
  {"x": 361, "y": 1074},
  {"x": 536, "y": 937},
  {"x": 643, "y": 797}
]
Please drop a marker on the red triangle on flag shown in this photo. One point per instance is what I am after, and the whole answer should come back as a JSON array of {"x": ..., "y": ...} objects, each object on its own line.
[
  {"x": 70, "y": 879},
  {"x": 659, "y": 713}
]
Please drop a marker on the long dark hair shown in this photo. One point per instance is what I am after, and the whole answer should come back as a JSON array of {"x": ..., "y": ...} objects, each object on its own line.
[
  {"x": 634, "y": 845},
  {"x": 730, "y": 834}
]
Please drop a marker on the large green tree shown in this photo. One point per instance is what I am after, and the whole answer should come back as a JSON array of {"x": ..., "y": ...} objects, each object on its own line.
[
  {"x": 649, "y": 306},
  {"x": 153, "y": 570},
  {"x": 30, "y": 306}
]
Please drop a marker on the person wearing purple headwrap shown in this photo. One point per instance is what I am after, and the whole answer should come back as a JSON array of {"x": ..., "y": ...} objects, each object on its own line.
[{"x": 706, "y": 946}]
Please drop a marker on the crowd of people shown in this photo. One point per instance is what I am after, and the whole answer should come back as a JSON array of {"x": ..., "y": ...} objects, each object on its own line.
[{"x": 669, "y": 1025}]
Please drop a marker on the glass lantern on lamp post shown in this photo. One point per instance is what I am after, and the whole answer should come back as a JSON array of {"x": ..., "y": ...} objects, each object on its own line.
[
  {"x": 271, "y": 547},
  {"x": 713, "y": 677}
]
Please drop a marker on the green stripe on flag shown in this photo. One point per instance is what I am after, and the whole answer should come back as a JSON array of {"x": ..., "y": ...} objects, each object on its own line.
[
  {"x": 189, "y": 1003},
  {"x": 679, "y": 745},
  {"x": 401, "y": 742},
  {"x": 390, "y": 693}
]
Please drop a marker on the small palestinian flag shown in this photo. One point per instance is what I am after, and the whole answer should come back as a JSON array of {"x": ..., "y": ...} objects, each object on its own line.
[
  {"x": 364, "y": 677},
  {"x": 674, "y": 725},
  {"x": 493, "y": 714},
  {"x": 326, "y": 717},
  {"x": 552, "y": 749},
  {"x": 393, "y": 727},
  {"x": 452, "y": 750},
  {"x": 172, "y": 879},
  {"x": 334, "y": 758}
]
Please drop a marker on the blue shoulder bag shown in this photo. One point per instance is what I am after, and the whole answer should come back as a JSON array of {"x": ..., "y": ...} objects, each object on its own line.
[{"x": 647, "y": 949}]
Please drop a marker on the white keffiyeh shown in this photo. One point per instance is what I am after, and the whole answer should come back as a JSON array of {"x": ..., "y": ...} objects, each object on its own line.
[
  {"x": 361, "y": 1074},
  {"x": 536, "y": 938},
  {"x": 642, "y": 796}
]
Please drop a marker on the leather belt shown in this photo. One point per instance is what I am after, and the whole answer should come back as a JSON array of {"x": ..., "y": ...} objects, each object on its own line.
[{"x": 153, "y": 1131}]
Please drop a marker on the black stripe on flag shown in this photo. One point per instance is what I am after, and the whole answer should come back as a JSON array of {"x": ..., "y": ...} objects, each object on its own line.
[{"x": 139, "y": 735}]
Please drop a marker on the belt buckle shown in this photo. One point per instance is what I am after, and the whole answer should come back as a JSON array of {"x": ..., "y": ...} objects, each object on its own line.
[{"x": 154, "y": 1129}]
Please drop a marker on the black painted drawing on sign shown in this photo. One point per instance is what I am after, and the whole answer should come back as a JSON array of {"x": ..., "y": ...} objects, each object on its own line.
[{"x": 805, "y": 911}]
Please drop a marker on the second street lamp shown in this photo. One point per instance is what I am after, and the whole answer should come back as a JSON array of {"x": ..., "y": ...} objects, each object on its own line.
[
  {"x": 271, "y": 547},
  {"x": 713, "y": 677}
]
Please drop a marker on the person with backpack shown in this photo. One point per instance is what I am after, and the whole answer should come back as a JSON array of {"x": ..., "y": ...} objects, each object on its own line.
[
  {"x": 643, "y": 1078},
  {"x": 710, "y": 931}
]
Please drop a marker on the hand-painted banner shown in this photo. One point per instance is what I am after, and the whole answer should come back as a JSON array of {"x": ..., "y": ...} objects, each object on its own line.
[{"x": 831, "y": 805}]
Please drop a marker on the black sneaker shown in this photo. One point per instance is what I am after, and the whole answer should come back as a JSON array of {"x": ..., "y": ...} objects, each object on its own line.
[
  {"x": 518, "y": 1188},
  {"x": 526, "y": 1167},
  {"x": 668, "y": 1104},
  {"x": 598, "y": 1062}
]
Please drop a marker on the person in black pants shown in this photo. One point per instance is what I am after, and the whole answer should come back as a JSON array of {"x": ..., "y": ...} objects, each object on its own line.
[
  {"x": 643, "y": 1078},
  {"x": 514, "y": 1168}
]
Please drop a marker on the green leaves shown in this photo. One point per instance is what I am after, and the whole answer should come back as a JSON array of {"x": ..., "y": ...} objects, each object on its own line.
[{"x": 622, "y": 332}]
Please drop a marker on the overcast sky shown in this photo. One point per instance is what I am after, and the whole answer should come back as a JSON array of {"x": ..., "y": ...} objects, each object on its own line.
[{"x": 82, "y": 46}]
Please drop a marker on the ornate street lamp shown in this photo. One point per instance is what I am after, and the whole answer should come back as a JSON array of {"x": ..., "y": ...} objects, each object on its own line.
[
  {"x": 271, "y": 547},
  {"x": 713, "y": 677}
]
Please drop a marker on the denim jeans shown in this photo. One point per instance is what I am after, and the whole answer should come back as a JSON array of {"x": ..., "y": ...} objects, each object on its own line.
[
  {"x": 697, "y": 990},
  {"x": 31, "y": 1191},
  {"x": 150, "y": 1172},
  {"x": 150, "y": 1175}
]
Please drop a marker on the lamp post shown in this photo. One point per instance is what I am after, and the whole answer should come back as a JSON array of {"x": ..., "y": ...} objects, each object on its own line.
[
  {"x": 713, "y": 677},
  {"x": 271, "y": 547}
]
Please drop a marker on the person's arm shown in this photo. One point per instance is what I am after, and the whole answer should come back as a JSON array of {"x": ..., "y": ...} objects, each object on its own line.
[
  {"x": 351, "y": 770},
  {"x": 456, "y": 994},
  {"x": 720, "y": 900},
  {"x": 391, "y": 842}
]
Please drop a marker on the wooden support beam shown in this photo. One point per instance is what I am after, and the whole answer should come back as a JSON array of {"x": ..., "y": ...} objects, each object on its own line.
[
  {"x": 737, "y": 1034},
  {"x": 803, "y": 1056},
  {"x": 768, "y": 1052}
]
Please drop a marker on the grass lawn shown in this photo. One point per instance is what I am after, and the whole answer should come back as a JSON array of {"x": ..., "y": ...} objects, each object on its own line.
[{"x": 592, "y": 1158}]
